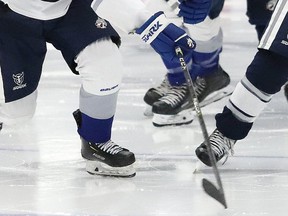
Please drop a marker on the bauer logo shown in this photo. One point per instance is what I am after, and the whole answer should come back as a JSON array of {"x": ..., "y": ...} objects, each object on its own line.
[
  {"x": 151, "y": 31},
  {"x": 18, "y": 80},
  {"x": 109, "y": 89},
  {"x": 101, "y": 23}
]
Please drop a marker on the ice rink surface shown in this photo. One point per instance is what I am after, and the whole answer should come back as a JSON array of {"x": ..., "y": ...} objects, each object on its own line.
[{"x": 42, "y": 172}]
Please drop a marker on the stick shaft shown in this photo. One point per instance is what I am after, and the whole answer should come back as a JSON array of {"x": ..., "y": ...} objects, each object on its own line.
[{"x": 198, "y": 111}]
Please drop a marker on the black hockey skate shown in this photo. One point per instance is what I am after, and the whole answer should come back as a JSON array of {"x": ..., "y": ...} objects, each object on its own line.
[
  {"x": 154, "y": 94},
  {"x": 107, "y": 158},
  {"x": 176, "y": 107},
  {"x": 213, "y": 87},
  {"x": 221, "y": 147}
]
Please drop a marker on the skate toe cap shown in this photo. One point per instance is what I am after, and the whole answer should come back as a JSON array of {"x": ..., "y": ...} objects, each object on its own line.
[
  {"x": 125, "y": 158},
  {"x": 202, "y": 154}
]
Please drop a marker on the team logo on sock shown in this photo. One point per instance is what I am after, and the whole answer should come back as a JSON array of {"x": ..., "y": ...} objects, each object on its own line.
[
  {"x": 18, "y": 80},
  {"x": 191, "y": 43},
  {"x": 271, "y": 5},
  {"x": 101, "y": 23}
]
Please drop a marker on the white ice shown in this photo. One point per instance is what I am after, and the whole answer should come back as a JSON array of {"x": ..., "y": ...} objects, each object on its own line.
[{"x": 42, "y": 172}]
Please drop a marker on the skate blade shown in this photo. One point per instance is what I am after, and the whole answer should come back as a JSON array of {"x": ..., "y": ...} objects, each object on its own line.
[
  {"x": 217, "y": 95},
  {"x": 183, "y": 117},
  {"x": 99, "y": 168},
  {"x": 148, "y": 111},
  {"x": 199, "y": 166}
]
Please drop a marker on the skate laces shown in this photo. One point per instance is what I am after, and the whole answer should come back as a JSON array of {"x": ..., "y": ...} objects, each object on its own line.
[
  {"x": 200, "y": 85},
  {"x": 175, "y": 95},
  {"x": 221, "y": 145},
  {"x": 163, "y": 87},
  {"x": 109, "y": 147}
]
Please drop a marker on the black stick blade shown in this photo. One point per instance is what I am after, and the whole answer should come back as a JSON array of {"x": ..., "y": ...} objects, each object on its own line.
[{"x": 212, "y": 191}]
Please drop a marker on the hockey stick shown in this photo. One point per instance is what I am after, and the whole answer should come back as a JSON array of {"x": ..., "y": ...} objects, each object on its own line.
[{"x": 209, "y": 188}]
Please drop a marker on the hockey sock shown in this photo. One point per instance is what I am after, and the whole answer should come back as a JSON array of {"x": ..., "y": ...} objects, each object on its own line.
[
  {"x": 205, "y": 63},
  {"x": 95, "y": 130},
  {"x": 200, "y": 64},
  {"x": 175, "y": 73},
  {"x": 97, "y": 114}
]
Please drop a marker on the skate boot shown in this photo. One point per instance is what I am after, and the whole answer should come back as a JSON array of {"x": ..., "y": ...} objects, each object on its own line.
[
  {"x": 213, "y": 87},
  {"x": 221, "y": 147},
  {"x": 175, "y": 108},
  {"x": 107, "y": 158},
  {"x": 154, "y": 94}
]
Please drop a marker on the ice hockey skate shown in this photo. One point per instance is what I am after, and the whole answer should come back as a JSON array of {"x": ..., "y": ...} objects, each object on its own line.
[
  {"x": 175, "y": 108},
  {"x": 221, "y": 147},
  {"x": 154, "y": 94},
  {"x": 107, "y": 159},
  {"x": 213, "y": 88}
]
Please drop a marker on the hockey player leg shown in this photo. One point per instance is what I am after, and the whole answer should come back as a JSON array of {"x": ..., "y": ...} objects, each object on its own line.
[
  {"x": 98, "y": 97},
  {"x": 103, "y": 157},
  {"x": 20, "y": 68},
  {"x": 211, "y": 81},
  {"x": 264, "y": 78},
  {"x": 209, "y": 40},
  {"x": 18, "y": 111}
]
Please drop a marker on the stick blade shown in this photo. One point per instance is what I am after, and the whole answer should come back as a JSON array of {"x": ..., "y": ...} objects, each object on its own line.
[{"x": 212, "y": 191}]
